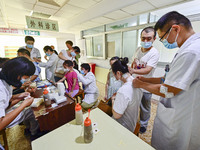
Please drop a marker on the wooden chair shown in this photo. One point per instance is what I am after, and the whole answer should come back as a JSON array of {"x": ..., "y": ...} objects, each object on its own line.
[
  {"x": 5, "y": 142},
  {"x": 79, "y": 94}
]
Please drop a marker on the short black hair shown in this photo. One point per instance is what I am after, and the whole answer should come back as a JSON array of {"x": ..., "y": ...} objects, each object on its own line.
[
  {"x": 114, "y": 58},
  {"x": 86, "y": 66},
  {"x": 173, "y": 17},
  {"x": 46, "y": 48},
  {"x": 3, "y": 61},
  {"x": 69, "y": 42},
  {"x": 76, "y": 49},
  {"x": 29, "y": 38},
  {"x": 24, "y": 51},
  {"x": 15, "y": 68},
  {"x": 120, "y": 65},
  {"x": 75, "y": 65},
  {"x": 149, "y": 29},
  {"x": 69, "y": 63}
]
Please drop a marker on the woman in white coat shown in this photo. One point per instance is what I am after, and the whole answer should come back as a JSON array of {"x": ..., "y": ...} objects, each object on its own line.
[
  {"x": 13, "y": 73},
  {"x": 126, "y": 104},
  {"x": 89, "y": 81},
  {"x": 176, "y": 126},
  {"x": 50, "y": 65}
]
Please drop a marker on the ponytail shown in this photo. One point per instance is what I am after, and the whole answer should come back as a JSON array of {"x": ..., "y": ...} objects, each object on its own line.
[{"x": 120, "y": 65}]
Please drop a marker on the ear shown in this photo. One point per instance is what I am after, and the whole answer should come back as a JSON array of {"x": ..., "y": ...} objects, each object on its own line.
[{"x": 176, "y": 27}]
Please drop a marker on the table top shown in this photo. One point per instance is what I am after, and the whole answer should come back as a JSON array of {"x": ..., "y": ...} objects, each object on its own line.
[
  {"x": 42, "y": 110},
  {"x": 110, "y": 136}
]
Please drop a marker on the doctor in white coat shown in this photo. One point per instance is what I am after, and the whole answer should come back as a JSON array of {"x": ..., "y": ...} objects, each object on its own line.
[
  {"x": 176, "y": 126},
  {"x": 13, "y": 73},
  {"x": 50, "y": 65},
  {"x": 89, "y": 81}
]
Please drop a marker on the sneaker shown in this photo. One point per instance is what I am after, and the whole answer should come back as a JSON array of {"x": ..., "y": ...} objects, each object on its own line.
[{"x": 142, "y": 130}]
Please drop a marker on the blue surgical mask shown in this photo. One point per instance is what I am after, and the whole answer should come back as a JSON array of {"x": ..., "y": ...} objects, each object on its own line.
[
  {"x": 29, "y": 46},
  {"x": 146, "y": 44},
  {"x": 73, "y": 54},
  {"x": 169, "y": 45},
  {"x": 48, "y": 54},
  {"x": 82, "y": 72},
  {"x": 24, "y": 80}
]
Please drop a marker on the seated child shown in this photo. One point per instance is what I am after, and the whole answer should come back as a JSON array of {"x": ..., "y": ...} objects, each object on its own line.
[{"x": 71, "y": 77}]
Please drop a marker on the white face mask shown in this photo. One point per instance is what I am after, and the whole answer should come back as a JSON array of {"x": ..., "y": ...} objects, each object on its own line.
[{"x": 66, "y": 70}]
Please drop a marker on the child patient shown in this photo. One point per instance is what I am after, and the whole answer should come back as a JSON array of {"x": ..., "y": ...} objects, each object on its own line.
[{"x": 71, "y": 77}]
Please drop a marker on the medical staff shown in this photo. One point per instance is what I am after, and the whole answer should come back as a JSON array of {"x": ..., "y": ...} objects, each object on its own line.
[
  {"x": 65, "y": 55},
  {"x": 50, "y": 65},
  {"x": 126, "y": 104},
  {"x": 13, "y": 73},
  {"x": 176, "y": 126},
  {"x": 145, "y": 62},
  {"x": 89, "y": 81},
  {"x": 26, "y": 53},
  {"x": 35, "y": 53}
]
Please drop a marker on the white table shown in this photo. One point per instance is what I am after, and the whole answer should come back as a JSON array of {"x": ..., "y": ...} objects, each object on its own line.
[{"x": 111, "y": 136}]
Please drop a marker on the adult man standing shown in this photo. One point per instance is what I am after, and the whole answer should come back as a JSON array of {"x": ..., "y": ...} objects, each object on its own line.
[
  {"x": 176, "y": 126},
  {"x": 145, "y": 62},
  {"x": 35, "y": 53}
]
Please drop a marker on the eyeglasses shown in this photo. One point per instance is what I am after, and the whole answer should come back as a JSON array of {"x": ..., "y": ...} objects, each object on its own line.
[{"x": 161, "y": 39}]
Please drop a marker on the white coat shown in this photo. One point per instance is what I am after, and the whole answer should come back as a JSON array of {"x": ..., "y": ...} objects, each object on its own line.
[
  {"x": 91, "y": 90},
  {"x": 176, "y": 126},
  {"x": 50, "y": 66}
]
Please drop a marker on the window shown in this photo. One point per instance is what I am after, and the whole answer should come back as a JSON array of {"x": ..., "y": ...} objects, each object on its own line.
[
  {"x": 122, "y": 24},
  {"x": 129, "y": 44},
  {"x": 98, "y": 46},
  {"x": 94, "y": 46},
  {"x": 96, "y": 30},
  {"x": 113, "y": 44},
  {"x": 143, "y": 19}
]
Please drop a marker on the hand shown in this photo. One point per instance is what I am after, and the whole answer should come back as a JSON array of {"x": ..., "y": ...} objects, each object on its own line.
[
  {"x": 45, "y": 57},
  {"x": 31, "y": 90},
  {"x": 131, "y": 70},
  {"x": 137, "y": 83},
  {"x": 105, "y": 98},
  {"x": 27, "y": 83},
  {"x": 27, "y": 102},
  {"x": 141, "y": 78},
  {"x": 23, "y": 95},
  {"x": 70, "y": 93}
]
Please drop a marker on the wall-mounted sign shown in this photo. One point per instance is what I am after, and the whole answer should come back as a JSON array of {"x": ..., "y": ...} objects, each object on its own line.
[
  {"x": 42, "y": 24},
  {"x": 30, "y": 32},
  {"x": 8, "y": 30}
]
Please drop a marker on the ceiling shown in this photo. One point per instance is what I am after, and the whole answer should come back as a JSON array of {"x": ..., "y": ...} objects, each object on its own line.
[{"x": 76, "y": 15}]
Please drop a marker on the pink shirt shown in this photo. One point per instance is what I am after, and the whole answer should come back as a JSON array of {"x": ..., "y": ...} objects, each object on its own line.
[{"x": 69, "y": 77}]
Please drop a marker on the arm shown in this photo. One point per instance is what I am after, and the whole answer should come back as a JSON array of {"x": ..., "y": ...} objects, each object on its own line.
[
  {"x": 74, "y": 84},
  {"x": 154, "y": 88},
  {"x": 63, "y": 79},
  {"x": 33, "y": 77},
  {"x": 142, "y": 71},
  {"x": 106, "y": 86},
  {"x": 150, "y": 80},
  {"x": 60, "y": 55},
  {"x": 4, "y": 121},
  {"x": 84, "y": 80}
]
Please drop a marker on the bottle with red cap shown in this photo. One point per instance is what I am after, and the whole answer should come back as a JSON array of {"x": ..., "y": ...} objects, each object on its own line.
[
  {"x": 88, "y": 133},
  {"x": 78, "y": 114},
  {"x": 47, "y": 100}
]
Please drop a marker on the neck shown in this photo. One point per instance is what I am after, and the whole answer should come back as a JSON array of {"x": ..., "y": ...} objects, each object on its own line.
[
  {"x": 125, "y": 79},
  {"x": 146, "y": 49},
  {"x": 186, "y": 36},
  {"x": 71, "y": 69},
  {"x": 69, "y": 53},
  {"x": 29, "y": 49}
]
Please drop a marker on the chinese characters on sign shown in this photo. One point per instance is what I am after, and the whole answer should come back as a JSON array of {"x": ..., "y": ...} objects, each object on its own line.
[
  {"x": 8, "y": 30},
  {"x": 42, "y": 24},
  {"x": 29, "y": 32}
]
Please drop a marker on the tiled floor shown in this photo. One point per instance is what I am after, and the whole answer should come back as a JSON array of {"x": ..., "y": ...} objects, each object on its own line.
[{"x": 17, "y": 140}]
